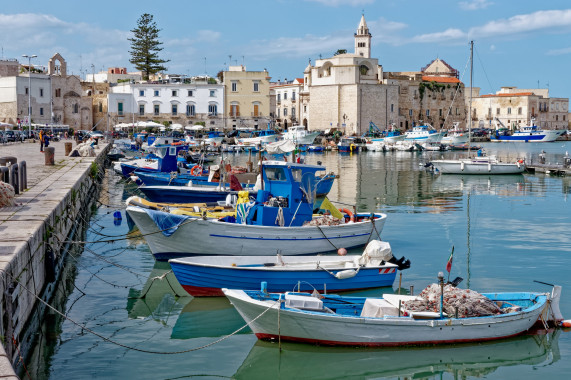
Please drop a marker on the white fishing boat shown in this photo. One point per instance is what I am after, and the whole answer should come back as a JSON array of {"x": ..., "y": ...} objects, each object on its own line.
[
  {"x": 389, "y": 321},
  {"x": 280, "y": 220},
  {"x": 455, "y": 136},
  {"x": 299, "y": 135},
  {"x": 423, "y": 133},
  {"x": 481, "y": 164}
]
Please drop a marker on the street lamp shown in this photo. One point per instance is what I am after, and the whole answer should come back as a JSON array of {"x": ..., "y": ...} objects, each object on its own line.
[{"x": 29, "y": 89}]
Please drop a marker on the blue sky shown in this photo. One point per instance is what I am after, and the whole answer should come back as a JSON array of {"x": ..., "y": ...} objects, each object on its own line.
[{"x": 518, "y": 42}]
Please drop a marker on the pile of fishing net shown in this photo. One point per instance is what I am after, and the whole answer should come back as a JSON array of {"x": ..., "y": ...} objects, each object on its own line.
[
  {"x": 468, "y": 302},
  {"x": 7, "y": 194},
  {"x": 325, "y": 220}
]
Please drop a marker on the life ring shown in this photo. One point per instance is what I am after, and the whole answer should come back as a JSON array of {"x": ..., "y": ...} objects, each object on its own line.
[
  {"x": 348, "y": 212},
  {"x": 520, "y": 162},
  {"x": 196, "y": 170}
]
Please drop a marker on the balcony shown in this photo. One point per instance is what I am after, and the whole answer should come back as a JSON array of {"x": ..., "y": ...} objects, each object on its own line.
[{"x": 234, "y": 114}]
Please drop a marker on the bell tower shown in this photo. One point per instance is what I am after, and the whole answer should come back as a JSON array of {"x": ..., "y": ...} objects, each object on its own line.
[{"x": 363, "y": 39}]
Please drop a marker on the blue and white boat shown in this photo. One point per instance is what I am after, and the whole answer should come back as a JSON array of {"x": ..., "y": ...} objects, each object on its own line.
[
  {"x": 279, "y": 220},
  {"x": 530, "y": 133},
  {"x": 167, "y": 160},
  {"x": 389, "y": 321},
  {"x": 258, "y": 137},
  {"x": 207, "y": 275},
  {"x": 348, "y": 145},
  {"x": 423, "y": 133}
]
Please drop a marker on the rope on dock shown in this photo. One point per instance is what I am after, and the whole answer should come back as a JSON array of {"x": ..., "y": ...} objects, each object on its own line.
[{"x": 108, "y": 340}]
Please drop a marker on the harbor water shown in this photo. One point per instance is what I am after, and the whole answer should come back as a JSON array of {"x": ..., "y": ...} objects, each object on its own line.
[{"x": 126, "y": 317}]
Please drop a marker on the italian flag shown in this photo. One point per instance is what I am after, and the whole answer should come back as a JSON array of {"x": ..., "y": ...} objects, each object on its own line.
[{"x": 449, "y": 263}]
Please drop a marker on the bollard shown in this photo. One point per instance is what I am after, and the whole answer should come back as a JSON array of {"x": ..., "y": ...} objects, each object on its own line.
[
  {"x": 8, "y": 160},
  {"x": 15, "y": 178},
  {"x": 49, "y": 154},
  {"x": 23, "y": 169},
  {"x": 68, "y": 148}
]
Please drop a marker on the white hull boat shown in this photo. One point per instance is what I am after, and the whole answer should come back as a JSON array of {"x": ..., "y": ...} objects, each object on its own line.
[
  {"x": 299, "y": 135},
  {"x": 196, "y": 236},
  {"x": 360, "y": 321},
  {"x": 478, "y": 165}
]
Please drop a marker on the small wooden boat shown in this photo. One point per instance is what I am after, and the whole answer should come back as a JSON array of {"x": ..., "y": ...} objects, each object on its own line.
[
  {"x": 207, "y": 275},
  {"x": 360, "y": 321}
]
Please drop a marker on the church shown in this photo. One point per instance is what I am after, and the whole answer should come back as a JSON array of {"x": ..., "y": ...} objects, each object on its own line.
[{"x": 349, "y": 91}]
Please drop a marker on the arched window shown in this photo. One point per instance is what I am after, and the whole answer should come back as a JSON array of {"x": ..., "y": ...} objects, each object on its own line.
[{"x": 363, "y": 69}]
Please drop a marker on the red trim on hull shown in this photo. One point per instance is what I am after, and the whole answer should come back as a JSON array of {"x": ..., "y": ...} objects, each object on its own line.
[
  {"x": 198, "y": 291},
  {"x": 377, "y": 344}
]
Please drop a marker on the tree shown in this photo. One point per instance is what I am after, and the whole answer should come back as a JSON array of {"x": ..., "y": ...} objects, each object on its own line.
[
  {"x": 340, "y": 51},
  {"x": 145, "y": 46}
]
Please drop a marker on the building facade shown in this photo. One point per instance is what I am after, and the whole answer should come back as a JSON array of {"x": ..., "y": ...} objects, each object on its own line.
[
  {"x": 286, "y": 109},
  {"x": 247, "y": 98},
  {"x": 172, "y": 103},
  {"x": 515, "y": 108},
  {"x": 55, "y": 97},
  {"x": 433, "y": 95}
]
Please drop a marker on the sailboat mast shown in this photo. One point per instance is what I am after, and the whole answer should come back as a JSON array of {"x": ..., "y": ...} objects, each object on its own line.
[{"x": 470, "y": 108}]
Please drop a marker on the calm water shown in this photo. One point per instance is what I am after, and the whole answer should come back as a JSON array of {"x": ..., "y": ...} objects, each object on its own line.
[{"x": 507, "y": 231}]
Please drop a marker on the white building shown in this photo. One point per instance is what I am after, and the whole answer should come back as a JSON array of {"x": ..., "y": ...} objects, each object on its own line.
[
  {"x": 14, "y": 96},
  {"x": 286, "y": 107},
  {"x": 175, "y": 103},
  {"x": 516, "y": 108}
]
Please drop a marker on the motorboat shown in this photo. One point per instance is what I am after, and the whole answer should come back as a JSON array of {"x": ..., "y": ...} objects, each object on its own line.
[
  {"x": 279, "y": 220},
  {"x": 455, "y": 136},
  {"x": 300, "y": 135},
  {"x": 530, "y": 133},
  {"x": 423, "y": 133},
  {"x": 207, "y": 275}
]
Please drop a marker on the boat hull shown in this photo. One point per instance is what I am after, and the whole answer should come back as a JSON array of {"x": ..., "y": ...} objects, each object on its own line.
[
  {"x": 206, "y": 276},
  {"x": 539, "y": 136},
  {"x": 186, "y": 194},
  {"x": 213, "y": 237},
  {"x": 334, "y": 329},
  {"x": 477, "y": 167}
]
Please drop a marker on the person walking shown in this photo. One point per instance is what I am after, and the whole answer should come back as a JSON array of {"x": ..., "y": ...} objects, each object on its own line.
[{"x": 42, "y": 140}]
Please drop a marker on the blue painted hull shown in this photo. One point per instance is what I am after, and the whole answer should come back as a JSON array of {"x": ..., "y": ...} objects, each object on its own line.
[
  {"x": 200, "y": 280},
  {"x": 155, "y": 178},
  {"x": 347, "y": 148},
  {"x": 182, "y": 194}
]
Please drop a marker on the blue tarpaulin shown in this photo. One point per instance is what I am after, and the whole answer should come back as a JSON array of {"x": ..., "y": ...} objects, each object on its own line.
[{"x": 166, "y": 222}]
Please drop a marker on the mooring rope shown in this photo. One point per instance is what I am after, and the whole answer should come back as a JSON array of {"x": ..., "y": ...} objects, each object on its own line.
[{"x": 108, "y": 340}]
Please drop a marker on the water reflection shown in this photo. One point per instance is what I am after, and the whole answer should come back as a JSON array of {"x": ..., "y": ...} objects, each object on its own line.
[
  {"x": 207, "y": 317},
  {"x": 305, "y": 361},
  {"x": 161, "y": 297}
]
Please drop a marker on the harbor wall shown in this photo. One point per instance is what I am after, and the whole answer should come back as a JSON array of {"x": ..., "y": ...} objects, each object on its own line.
[{"x": 34, "y": 240}]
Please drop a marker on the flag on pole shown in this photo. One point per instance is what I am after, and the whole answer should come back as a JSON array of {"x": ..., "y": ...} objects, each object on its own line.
[{"x": 449, "y": 263}]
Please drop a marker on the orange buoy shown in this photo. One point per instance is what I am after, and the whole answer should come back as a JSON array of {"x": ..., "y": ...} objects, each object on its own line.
[
  {"x": 196, "y": 170},
  {"x": 348, "y": 212},
  {"x": 566, "y": 323}
]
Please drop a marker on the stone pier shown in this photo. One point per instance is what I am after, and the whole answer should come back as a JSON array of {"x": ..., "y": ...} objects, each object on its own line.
[{"x": 33, "y": 235}]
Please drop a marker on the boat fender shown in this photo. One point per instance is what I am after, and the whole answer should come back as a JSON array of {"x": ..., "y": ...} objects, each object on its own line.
[
  {"x": 345, "y": 274},
  {"x": 348, "y": 212},
  {"x": 196, "y": 170},
  {"x": 490, "y": 167},
  {"x": 352, "y": 146},
  {"x": 462, "y": 165}
]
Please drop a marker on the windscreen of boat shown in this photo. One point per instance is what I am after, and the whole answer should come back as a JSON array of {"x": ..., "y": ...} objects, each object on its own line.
[{"x": 308, "y": 186}]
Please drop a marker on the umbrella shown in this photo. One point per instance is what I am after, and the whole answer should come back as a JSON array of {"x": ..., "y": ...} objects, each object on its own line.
[
  {"x": 196, "y": 127},
  {"x": 176, "y": 127}
]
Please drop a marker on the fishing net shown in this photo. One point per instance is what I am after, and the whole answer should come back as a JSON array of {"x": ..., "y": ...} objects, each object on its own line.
[
  {"x": 468, "y": 302},
  {"x": 325, "y": 220}
]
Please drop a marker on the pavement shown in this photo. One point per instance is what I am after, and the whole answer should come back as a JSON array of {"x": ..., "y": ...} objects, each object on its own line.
[{"x": 21, "y": 225}]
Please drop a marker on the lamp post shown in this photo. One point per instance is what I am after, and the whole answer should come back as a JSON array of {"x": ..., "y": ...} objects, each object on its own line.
[{"x": 29, "y": 89}]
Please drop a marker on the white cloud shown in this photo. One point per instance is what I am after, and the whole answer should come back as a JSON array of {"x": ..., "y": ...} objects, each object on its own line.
[
  {"x": 514, "y": 26},
  {"x": 474, "y": 5},
  {"x": 563, "y": 51},
  {"x": 336, "y": 3}
]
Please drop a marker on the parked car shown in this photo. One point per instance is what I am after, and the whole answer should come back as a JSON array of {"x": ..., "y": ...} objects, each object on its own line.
[{"x": 10, "y": 136}]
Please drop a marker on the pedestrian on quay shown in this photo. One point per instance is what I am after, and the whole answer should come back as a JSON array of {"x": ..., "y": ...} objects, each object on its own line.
[{"x": 41, "y": 140}]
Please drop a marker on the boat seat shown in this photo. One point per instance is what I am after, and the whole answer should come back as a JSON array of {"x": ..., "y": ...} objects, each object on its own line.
[{"x": 303, "y": 302}]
